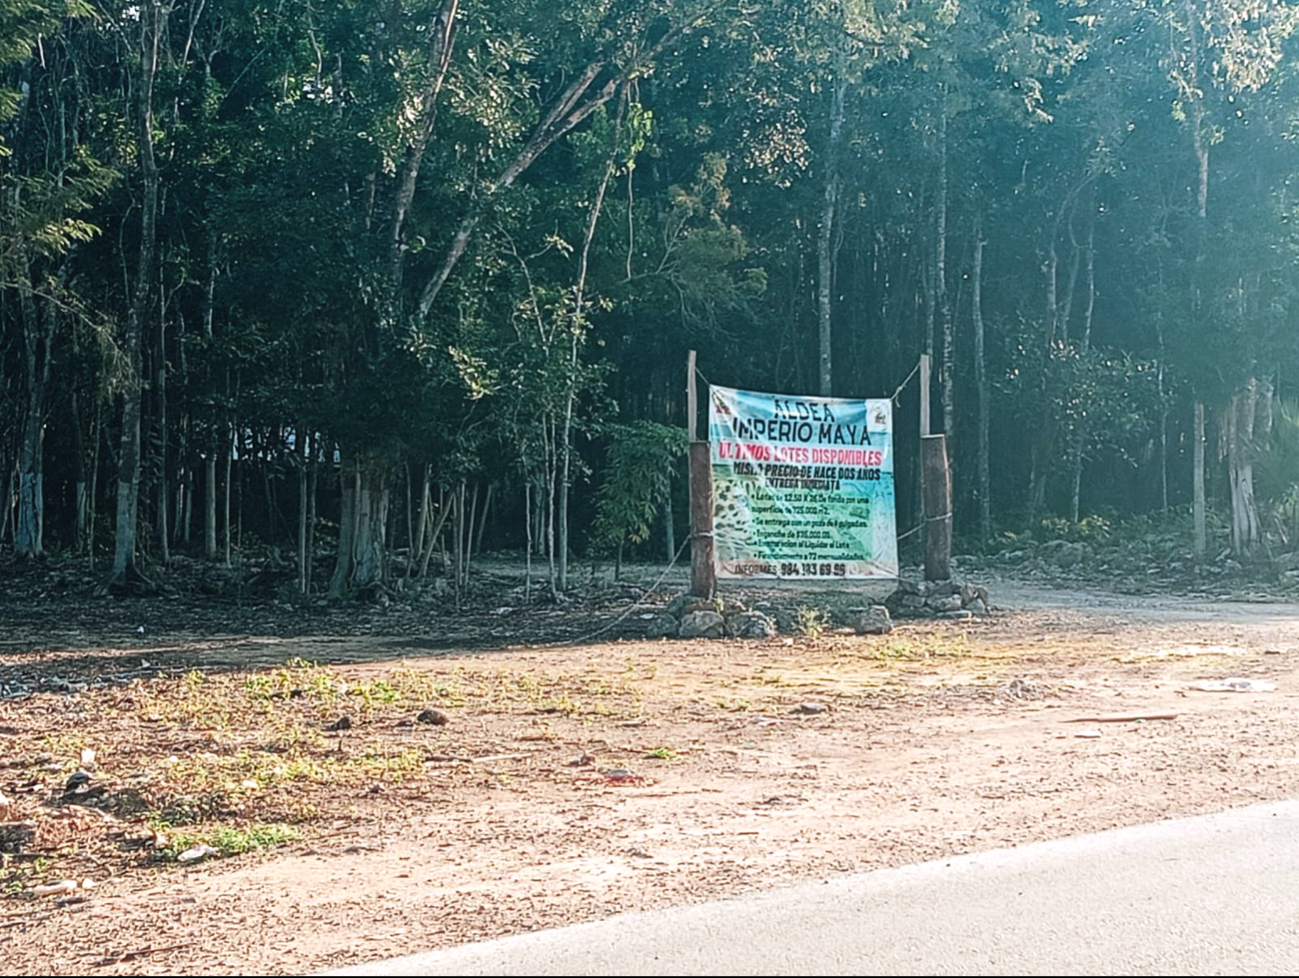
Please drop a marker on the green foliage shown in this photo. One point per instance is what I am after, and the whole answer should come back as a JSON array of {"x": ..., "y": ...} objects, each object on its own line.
[
  {"x": 640, "y": 461},
  {"x": 289, "y": 290},
  {"x": 811, "y": 622}
]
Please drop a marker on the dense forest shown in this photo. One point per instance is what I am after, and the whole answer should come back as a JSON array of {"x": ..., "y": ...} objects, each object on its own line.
[{"x": 371, "y": 281}]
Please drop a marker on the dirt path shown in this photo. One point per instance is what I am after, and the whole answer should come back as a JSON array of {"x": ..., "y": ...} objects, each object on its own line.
[{"x": 934, "y": 741}]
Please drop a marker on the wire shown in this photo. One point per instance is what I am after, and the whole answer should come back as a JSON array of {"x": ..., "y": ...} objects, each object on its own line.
[
  {"x": 903, "y": 385},
  {"x": 636, "y": 604}
]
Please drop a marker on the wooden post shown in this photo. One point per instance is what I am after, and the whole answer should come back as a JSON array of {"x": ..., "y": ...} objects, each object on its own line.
[
  {"x": 1198, "y": 482},
  {"x": 692, "y": 399},
  {"x": 938, "y": 507},
  {"x": 924, "y": 395},
  {"x": 703, "y": 574}
]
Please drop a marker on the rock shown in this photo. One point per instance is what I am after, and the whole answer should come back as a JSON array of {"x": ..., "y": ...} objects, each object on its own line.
[
  {"x": 1069, "y": 555},
  {"x": 662, "y": 626},
  {"x": 431, "y": 716},
  {"x": 621, "y": 775},
  {"x": 977, "y": 607},
  {"x": 904, "y": 601},
  {"x": 197, "y": 854},
  {"x": 809, "y": 709},
  {"x": 16, "y": 836},
  {"x": 751, "y": 624},
  {"x": 874, "y": 620},
  {"x": 342, "y": 723},
  {"x": 1287, "y": 563},
  {"x": 957, "y": 615},
  {"x": 78, "y": 779},
  {"x": 702, "y": 624},
  {"x": 677, "y": 606},
  {"x": 585, "y": 760},
  {"x": 61, "y": 888},
  {"x": 906, "y": 587},
  {"x": 701, "y": 605},
  {"x": 942, "y": 589},
  {"x": 950, "y": 602},
  {"x": 5, "y": 807}
]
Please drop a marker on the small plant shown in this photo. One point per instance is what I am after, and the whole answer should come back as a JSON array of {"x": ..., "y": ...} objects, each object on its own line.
[
  {"x": 811, "y": 621},
  {"x": 662, "y": 754},
  {"x": 231, "y": 841}
]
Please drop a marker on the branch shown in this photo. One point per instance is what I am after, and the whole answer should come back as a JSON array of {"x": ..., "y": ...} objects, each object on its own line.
[{"x": 568, "y": 112}]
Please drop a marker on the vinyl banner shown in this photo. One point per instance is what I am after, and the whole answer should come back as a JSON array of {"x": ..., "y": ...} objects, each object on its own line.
[{"x": 802, "y": 486}]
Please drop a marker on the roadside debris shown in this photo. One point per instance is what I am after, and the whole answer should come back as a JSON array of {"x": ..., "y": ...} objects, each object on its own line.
[
  {"x": 622, "y": 776},
  {"x": 809, "y": 709},
  {"x": 1125, "y": 718},
  {"x": 1236, "y": 684},
  {"x": 198, "y": 853}
]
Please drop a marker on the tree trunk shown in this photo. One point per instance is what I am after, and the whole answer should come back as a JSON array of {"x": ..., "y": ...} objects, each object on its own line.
[
  {"x": 981, "y": 382},
  {"x": 458, "y": 535},
  {"x": 442, "y": 38},
  {"x": 230, "y": 460},
  {"x": 96, "y": 436},
  {"x": 313, "y": 474},
  {"x": 940, "y": 284},
  {"x": 1080, "y": 436},
  {"x": 552, "y": 465},
  {"x": 349, "y": 485},
  {"x": 210, "y": 506},
  {"x": 29, "y": 528},
  {"x": 152, "y": 23},
  {"x": 482, "y": 521},
  {"x": 81, "y": 528},
  {"x": 825, "y": 236},
  {"x": 669, "y": 529},
  {"x": 1242, "y": 423},
  {"x": 302, "y": 510},
  {"x": 371, "y": 532},
  {"x": 1197, "y": 476},
  {"x": 160, "y": 423},
  {"x": 421, "y": 529},
  {"x": 527, "y": 527},
  {"x": 566, "y": 460},
  {"x": 576, "y": 331}
]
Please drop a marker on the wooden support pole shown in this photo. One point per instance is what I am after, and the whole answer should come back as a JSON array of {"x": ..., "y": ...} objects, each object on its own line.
[
  {"x": 924, "y": 395},
  {"x": 703, "y": 573},
  {"x": 938, "y": 507},
  {"x": 692, "y": 399}
]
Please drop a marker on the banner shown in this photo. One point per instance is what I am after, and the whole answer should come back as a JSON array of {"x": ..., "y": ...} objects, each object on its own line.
[{"x": 802, "y": 486}]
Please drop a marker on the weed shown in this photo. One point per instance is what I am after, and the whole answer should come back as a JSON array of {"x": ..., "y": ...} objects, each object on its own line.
[
  {"x": 662, "y": 754},
  {"x": 232, "y": 841},
  {"x": 811, "y": 621}
]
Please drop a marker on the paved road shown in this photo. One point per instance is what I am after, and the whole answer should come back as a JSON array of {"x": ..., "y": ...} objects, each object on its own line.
[{"x": 1216, "y": 895}]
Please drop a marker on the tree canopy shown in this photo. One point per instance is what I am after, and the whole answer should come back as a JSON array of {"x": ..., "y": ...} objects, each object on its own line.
[{"x": 413, "y": 266}]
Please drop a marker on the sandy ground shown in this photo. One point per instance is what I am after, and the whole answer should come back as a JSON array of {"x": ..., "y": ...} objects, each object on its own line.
[{"x": 935, "y": 740}]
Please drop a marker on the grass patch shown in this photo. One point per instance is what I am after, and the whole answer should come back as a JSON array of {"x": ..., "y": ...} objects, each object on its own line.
[{"x": 230, "y": 840}]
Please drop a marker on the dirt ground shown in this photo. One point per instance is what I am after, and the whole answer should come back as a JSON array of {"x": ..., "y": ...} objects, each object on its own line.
[{"x": 402, "y": 836}]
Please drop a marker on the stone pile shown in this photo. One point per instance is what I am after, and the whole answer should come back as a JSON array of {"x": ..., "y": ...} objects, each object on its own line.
[
  {"x": 953, "y": 600},
  {"x": 689, "y": 617}
]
